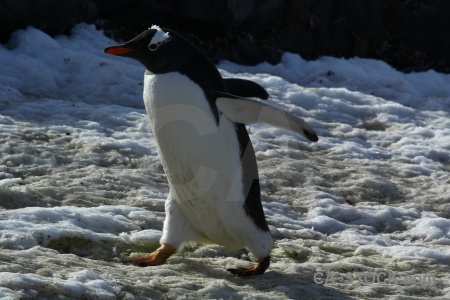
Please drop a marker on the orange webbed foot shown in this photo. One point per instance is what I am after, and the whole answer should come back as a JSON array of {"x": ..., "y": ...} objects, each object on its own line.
[
  {"x": 157, "y": 257},
  {"x": 258, "y": 269}
]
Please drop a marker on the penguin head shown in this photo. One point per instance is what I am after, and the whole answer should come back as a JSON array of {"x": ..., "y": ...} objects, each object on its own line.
[{"x": 157, "y": 49}]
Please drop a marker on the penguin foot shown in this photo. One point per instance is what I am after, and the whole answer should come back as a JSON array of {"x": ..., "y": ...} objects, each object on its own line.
[
  {"x": 258, "y": 269},
  {"x": 157, "y": 257}
]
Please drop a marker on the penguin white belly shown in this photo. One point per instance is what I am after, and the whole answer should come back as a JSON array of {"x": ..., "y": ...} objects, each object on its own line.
[{"x": 201, "y": 161}]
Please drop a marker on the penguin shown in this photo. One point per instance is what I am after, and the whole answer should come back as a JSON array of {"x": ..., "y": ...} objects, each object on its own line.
[
  {"x": 199, "y": 125},
  {"x": 245, "y": 88}
]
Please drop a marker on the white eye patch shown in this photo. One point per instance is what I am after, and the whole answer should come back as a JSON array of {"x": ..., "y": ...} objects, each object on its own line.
[{"x": 159, "y": 38}]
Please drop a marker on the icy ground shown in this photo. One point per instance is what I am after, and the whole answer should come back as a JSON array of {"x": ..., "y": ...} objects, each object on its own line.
[{"x": 81, "y": 186}]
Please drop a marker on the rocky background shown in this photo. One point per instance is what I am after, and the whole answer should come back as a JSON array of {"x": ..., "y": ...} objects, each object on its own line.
[{"x": 410, "y": 35}]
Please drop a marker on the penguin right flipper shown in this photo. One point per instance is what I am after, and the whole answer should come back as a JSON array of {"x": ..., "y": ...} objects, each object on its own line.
[
  {"x": 245, "y": 88},
  {"x": 245, "y": 111}
]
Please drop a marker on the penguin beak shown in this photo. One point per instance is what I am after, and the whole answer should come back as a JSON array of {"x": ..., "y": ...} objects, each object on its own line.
[{"x": 118, "y": 50}]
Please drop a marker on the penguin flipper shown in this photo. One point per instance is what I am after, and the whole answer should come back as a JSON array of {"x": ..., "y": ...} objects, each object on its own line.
[
  {"x": 245, "y": 88},
  {"x": 244, "y": 111}
]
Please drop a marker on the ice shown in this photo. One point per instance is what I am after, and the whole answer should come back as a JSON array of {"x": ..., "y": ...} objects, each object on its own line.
[
  {"x": 85, "y": 282},
  {"x": 9, "y": 181},
  {"x": 82, "y": 188},
  {"x": 91, "y": 224}
]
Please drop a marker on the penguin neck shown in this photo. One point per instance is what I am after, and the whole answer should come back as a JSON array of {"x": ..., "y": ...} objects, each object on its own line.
[
  {"x": 205, "y": 75},
  {"x": 203, "y": 72}
]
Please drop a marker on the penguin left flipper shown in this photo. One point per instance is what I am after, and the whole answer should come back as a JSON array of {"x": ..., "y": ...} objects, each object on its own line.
[
  {"x": 245, "y": 88},
  {"x": 244, "y": 111}
]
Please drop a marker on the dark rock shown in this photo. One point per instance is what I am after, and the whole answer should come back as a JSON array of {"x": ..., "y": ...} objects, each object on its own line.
[
  {"x": 418, "y": 34},
  {"x": 204, "y": 17},
  {"x": 409, "y": 35},
  {"x": 134, "y": 15},
  {"x": 51, "y": 16}
]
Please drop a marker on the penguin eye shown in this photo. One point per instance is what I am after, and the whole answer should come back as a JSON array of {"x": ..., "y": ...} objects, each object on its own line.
[{"x": 153, "y": 47}]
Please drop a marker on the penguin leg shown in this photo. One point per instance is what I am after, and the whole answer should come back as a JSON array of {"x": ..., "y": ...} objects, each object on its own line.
[
  {"x": 258, "y": 269},
  {"x": 157, "y": 257},
  {"x": 176, "y": 230}
]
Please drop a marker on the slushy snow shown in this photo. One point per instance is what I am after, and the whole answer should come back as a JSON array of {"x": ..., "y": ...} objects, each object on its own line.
[{"x": 82, "y": 187}]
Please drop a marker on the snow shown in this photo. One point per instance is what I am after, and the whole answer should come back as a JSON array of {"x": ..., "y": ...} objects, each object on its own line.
[{"x": 82, "y": 188}]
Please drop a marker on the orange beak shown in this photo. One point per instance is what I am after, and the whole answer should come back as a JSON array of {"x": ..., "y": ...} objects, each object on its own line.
[{"x": 118, "y": 50}]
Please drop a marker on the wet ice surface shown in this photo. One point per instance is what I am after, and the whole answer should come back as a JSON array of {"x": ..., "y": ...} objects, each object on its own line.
[{"x": 81, "y": 186}]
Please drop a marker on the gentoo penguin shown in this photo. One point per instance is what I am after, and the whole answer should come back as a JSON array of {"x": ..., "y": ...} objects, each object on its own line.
[
  {"x": 245, "y": 88},
  {"x": 204, "y": 147}
]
